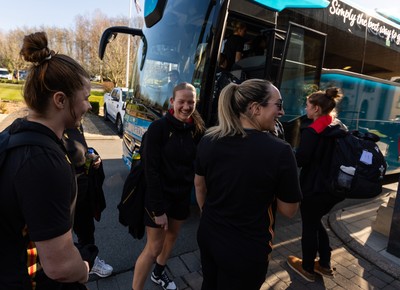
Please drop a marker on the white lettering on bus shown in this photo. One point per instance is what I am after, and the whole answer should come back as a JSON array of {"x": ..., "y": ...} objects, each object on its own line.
[
  {"x": 345, "y": 13},
  {"x": 361, "y": 20}
]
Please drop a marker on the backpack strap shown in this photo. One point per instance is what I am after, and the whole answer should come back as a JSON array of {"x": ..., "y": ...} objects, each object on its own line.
[
  {"x": 27, "y": 138},
  {"x": 33, "y": 138}
]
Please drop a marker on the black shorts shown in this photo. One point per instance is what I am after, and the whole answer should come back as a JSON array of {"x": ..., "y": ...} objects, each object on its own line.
[{"x": 175, "y": 209}]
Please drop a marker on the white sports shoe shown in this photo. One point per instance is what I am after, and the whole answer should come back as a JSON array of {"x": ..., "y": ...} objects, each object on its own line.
[{"x": 100, "y": 268}]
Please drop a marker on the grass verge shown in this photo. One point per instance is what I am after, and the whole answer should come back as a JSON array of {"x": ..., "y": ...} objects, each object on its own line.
[{"x": 13, "y": 93}]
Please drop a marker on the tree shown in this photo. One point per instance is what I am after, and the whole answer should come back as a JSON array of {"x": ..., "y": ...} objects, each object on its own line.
[
  {"x": 81, "y": 43},
  {"x": 11, "y": 49},
  {"x": 98, "y": 24}
]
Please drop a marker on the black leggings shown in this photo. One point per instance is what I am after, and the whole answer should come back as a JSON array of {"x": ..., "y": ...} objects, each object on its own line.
[{"x": 314, "y": 238}]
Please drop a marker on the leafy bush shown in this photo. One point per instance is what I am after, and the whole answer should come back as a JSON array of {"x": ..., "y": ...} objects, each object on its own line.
[
  {"x": 95, "y": 107},
  {"x": 95, "y": 94},
  {"x": 13, "y": 81},
  {"x": 96, "y": 97},
  {"x": 108, "y": 86}
]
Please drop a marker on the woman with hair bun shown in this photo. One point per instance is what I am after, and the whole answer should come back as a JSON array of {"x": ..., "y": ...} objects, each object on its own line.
[
  {"x": 314, "y": 156},
  {"x": 37, "y": 183},
  {"x": 242, "y": 175}
]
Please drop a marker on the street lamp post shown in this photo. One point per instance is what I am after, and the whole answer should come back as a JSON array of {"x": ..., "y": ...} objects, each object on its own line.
[{"x": 129, "y": 46}]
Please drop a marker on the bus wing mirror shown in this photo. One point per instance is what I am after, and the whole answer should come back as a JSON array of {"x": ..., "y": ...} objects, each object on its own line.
[{"x": 111, "y": 33}]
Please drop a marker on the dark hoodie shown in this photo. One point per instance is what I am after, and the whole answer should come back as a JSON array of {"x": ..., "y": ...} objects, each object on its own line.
[{"x": 314, "y": 154}]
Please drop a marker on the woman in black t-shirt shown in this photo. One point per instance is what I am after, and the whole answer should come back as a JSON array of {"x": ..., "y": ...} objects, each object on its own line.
[
  {"x": 37, "y": 186},
  {"x": 242, "y": 172},
  {"x": 234, "y": 45}
]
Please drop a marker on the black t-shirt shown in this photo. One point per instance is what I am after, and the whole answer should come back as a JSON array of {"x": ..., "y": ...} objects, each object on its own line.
[
  {"x": 234, "y": 43},
  {"x": 37, "y": 188},
  {"x": 243, "y": 177}
]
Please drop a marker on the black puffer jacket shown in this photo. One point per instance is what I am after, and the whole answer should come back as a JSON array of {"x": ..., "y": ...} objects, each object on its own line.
[
  {"x": 314, "y": 156},
  {"x": 168, "y": 154}
]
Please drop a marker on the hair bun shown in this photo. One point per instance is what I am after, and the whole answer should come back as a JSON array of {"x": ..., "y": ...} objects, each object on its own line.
[
  {"x": 332, "y": 93},
  {"x": 34, "y": 48}
]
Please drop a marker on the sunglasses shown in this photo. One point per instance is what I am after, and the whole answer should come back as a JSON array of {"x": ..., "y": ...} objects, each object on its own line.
[{"x": 278, "y": 105}]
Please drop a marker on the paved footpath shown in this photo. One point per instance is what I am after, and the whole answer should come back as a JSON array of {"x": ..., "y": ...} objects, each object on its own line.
[{"x": 363, "y": 266}]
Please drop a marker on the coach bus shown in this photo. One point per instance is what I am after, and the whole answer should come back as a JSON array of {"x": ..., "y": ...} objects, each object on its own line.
[{"x": 309, "y": 45}]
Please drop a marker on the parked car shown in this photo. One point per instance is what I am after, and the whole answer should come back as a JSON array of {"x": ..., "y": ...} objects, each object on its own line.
[
  {"x": 96, "y": 78},
  {"x": 5, "y": 74},
  {"x": 114, "y": 107},
  {"x": 23, "y": 74}
]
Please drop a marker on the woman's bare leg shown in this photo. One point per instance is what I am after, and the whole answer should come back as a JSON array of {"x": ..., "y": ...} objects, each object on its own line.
[{"x": 154, "y": 246}]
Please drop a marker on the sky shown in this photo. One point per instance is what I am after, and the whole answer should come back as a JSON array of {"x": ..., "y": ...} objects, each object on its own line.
[
  {"x": 34, "y": 13},
  {"x": 391, "y": 5}
]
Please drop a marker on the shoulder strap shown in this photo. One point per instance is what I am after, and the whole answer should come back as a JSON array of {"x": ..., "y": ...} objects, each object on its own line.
[{"x": 33, "y": 138}]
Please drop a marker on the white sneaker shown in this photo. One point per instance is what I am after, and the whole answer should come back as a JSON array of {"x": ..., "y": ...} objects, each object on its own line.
[
  {"x": 164, "y": 281},
  {"x": 100, "y": 268}
]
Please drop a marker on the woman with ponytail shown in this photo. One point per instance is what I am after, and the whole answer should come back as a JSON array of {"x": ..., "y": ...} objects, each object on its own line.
[
  {"x": 314, "y": 156},
  {"x": 241, "y": 172}
]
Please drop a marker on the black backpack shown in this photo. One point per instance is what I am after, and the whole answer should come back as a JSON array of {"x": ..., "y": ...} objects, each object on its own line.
[
  {"x": 131, "y": 207},
  {"x": 357, "y": 166}
]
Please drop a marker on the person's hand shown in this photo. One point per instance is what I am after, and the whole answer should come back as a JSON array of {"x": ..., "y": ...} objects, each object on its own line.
[
  {"x": 96, "y": 164},
  {"x": 162, "y": 221}
]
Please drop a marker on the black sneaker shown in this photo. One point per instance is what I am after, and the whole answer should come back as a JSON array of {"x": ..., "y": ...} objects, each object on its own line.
[{"x": 164, "y": 281}]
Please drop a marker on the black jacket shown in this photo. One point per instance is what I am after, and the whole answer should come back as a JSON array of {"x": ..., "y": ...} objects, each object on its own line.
[
  {"x": 90, "y": 183},
  {"x": 169, "y": 152},
  {"x": 314, "y": 156}
]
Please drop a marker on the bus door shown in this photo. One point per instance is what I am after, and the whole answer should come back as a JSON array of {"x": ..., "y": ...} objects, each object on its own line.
[{"x": 299, "y": 75}]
